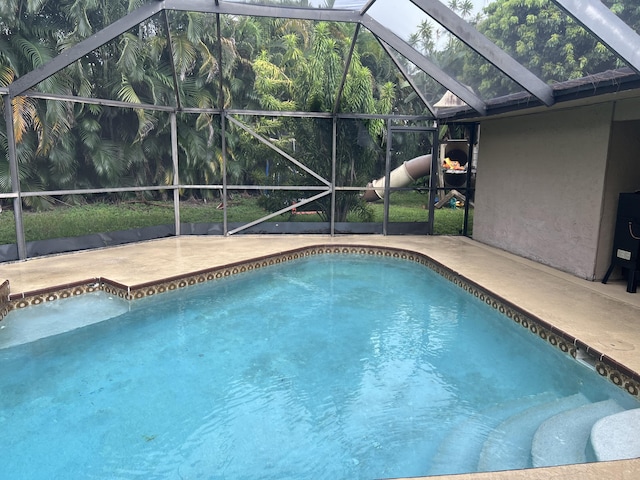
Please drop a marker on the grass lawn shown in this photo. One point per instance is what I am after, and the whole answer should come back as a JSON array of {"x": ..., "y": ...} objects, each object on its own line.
[{"x": 72, "y": 221}]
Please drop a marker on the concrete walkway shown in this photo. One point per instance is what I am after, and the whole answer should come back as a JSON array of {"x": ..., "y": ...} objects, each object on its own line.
[{"x": 604, "y": 317}]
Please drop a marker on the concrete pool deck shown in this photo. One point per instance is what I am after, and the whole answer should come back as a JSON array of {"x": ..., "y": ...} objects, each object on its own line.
[{"x": 605, "y": 317}]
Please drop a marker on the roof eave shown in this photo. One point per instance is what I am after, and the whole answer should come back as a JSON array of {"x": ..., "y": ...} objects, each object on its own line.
[{"x": 609, "y": 82}]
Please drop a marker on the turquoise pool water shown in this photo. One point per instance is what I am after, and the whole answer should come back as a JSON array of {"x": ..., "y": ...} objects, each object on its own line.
[{"x": 331, "y": 367}]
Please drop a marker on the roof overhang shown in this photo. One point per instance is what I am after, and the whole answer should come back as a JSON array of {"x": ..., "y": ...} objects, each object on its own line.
[{"x": 598, "y": 88}]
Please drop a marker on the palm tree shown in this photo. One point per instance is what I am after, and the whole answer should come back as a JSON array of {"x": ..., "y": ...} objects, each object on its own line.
[
  {"x": 73, "y": 146},
  {"x": 29, "y": 35},
  {"x": 465, "y": 8}
]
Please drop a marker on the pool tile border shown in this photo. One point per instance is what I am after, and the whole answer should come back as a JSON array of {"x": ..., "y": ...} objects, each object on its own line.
[{"x": 605, "y": 366}]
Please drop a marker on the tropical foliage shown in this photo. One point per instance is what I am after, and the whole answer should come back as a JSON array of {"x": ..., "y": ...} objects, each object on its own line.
[
  {"x": 545, "y": 40},
  {"x": 270, "y": 64},
  {"x": 309, "y": 79},
  {"x": 536, "y": 33},
  {"x": 260, "y": 63}
]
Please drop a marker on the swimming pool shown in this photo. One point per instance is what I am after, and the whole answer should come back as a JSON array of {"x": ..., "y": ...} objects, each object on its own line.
[{"x": 254, "y": 373}]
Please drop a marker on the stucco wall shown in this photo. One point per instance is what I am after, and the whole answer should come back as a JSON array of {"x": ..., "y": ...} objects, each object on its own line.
[{"x": 540, "y": 184}]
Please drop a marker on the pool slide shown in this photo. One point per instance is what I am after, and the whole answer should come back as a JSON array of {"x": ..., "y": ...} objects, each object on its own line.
[{"x": 402, "y": 176}]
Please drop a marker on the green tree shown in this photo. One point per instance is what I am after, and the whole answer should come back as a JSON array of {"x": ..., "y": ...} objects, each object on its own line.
[
  {"x": 545, "y": 40},
  {"x": 311, "y": 83},
  {"x": 64, "y": 145},
  {"x": 28, "y": 39},
  {"x": 70, "y": 145},
  {"x": 264, "y": 63}
]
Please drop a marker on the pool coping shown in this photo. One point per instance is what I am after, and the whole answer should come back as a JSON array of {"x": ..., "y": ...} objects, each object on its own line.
[{"x": 605, "y": 366}]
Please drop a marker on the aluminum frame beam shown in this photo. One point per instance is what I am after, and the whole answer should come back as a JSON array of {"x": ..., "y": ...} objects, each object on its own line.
[
  {"x": 176, "y": 172},
  {"x": 84, "y": 191},
  {"x": 281, "y": 152},
  {"x": 387, "y": 179},
  {"x": 177, "y": 186},
  {"x": 366, "y": 7},
  {"x": 408, "y": 78},
  {"x": 278, "y": 113},
  {"x": 225, "y": 187},
  {"x": 220, "y": 60},
  {"x": 607, "y": 27},
  {"x": 174, "y": 73},
  {"x": 426, "y": 65},
  {"x": 281, "y": 211},
  {"x": 591, "y": 14},
  {"x": 471, "y": 37},
  {"x": 334, "y": 162},
  {"x": 347, "y": 66},
  {"x": 205, "y": 6},
  {"x": 14, "y": 172},
  {"x": 98, "y": 101},
  {"x": 85, "y": 47},
  {"x": 432, "y": 189},
  {"x": 248, "y": 9}
]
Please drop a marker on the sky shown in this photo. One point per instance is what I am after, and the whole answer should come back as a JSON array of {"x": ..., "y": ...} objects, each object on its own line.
[{"x": 400, "y": 16}]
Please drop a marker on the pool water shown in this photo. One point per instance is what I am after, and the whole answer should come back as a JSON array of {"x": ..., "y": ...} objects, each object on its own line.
[
  {"x": 330, "y": 367},
  {"x": 52, "y": 318}
]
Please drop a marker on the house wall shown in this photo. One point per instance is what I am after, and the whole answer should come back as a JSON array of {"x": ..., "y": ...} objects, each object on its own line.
[{"x": 540, "y": 185}]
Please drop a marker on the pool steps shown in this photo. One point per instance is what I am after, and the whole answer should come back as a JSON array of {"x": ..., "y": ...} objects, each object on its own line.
[
  {"x": 508, "y": 447},
  {"x": 550, "y": 431},
  {"x": 616, "y": 436},
  {"x": 465, "y": 440},
  {"x": 563, "y": 439}
]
